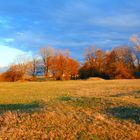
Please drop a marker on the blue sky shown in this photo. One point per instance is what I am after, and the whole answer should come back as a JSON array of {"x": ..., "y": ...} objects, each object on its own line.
[{"x": 27, "y": 25}]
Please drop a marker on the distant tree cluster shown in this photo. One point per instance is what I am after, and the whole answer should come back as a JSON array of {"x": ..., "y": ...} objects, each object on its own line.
[
  {"x": 115, "y": 64},
  {"x": 51, "y": 64},
  {"x": 58, "y": 65},
  {"x": 119, "y": 63}
]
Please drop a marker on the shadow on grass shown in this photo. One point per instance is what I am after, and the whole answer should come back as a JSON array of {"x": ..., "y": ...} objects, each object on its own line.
[
  {"x": 81, "y": 101},
  {"x": 135, "y": 94},
  {"x": 30, "y": 107},
  {"x": 89, "y": 102},
  {"x": 130, "y": 112}
]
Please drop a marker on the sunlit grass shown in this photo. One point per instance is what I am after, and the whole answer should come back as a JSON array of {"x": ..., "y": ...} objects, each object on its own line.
[{"x": 70, "y": 110}]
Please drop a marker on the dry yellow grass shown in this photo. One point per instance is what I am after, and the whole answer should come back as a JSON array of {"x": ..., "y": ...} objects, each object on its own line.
[{"x": 98, "y": 110}]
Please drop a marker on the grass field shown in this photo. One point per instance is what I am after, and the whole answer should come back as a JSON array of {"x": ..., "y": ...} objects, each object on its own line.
[{"x": 73, "y": 110}]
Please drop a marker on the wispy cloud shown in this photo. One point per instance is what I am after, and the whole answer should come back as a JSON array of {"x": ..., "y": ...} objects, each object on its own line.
[
  {"x": 75, "y": 24},
  {"x": 5, "y": 23},
  {"x": 124, "y": 21},
  {"x": 7, "y": 40}
]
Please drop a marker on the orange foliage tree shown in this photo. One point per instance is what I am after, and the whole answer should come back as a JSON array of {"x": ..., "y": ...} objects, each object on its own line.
[
  {"x": 64, "y": 67},
  {"x": 117, "y": 63},
  {"x": 14, "y": 73}
]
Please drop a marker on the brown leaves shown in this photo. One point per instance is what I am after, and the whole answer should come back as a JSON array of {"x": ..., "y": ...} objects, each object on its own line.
[{"x": 118, "y": 63}]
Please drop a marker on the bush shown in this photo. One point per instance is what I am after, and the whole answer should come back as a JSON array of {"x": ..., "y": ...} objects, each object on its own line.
[{"x": 12, "y": 74}]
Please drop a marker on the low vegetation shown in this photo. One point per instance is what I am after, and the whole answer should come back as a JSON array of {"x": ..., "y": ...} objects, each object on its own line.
[{"x": 89, "y": 109}]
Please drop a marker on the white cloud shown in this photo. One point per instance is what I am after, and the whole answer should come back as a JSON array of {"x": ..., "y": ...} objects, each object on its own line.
[{"x": 8, "y": 55}]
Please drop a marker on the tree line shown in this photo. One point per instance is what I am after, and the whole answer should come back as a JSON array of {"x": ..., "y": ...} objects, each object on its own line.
[
  {"x": 119, "y": 63},
  {"x": 51, "y": 64}
]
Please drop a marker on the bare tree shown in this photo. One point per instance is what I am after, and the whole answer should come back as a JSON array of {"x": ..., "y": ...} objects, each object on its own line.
[
  {"x": 46, "y": 54},
  {"x": 33, "y": 67},
  {"x": 21, "y": 63}
]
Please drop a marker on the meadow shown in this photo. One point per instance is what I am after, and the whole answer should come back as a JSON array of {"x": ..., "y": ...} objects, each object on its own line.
[{"x": 74, "y": 110}]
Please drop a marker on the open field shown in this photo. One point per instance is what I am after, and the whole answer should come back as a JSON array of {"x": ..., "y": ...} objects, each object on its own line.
[{"x": 94, "y": 110}]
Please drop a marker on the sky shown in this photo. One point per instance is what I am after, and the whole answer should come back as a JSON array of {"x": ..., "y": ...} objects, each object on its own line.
[{"x": 27, "y": 25}]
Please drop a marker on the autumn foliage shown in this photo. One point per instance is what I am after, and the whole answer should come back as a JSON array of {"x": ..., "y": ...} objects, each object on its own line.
[
  {"x": 55, "y": 65},
  {"x": 119, "y": 63},
  {"x": 14, "y": 73},
  {"x": 64, "y": 67}
]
